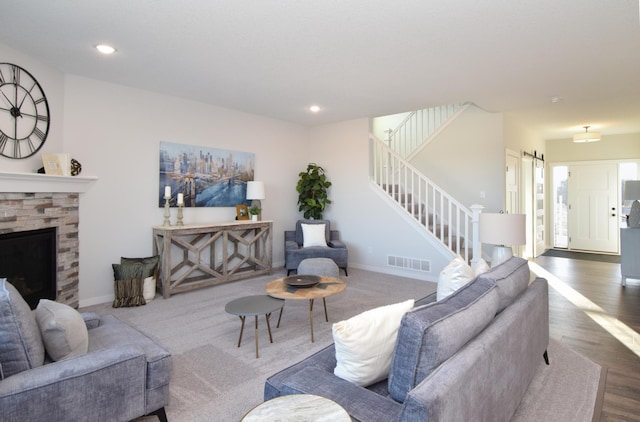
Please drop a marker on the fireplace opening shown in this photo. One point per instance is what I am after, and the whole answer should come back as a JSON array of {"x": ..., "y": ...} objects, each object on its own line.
[{"x": 28, "y": 261}]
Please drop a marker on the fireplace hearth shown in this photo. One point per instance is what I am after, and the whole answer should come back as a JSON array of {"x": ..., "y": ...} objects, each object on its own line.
[{"x": 28, "y": 261}]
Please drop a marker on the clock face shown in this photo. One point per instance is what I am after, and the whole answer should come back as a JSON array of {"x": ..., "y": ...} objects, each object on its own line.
[{"x": 24, "y": 113}]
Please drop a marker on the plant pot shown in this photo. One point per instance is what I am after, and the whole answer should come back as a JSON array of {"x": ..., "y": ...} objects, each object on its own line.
[{"x": 254, "y": 218}]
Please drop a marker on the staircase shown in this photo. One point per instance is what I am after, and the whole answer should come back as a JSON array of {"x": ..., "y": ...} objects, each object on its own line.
[
  {"x": 446, "y": 220},
  {"x": 420, "y": 126}
]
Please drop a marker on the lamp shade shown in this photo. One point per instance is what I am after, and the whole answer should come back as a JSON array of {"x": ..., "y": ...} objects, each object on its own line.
[
  {"x": 502, "y": 229},
  {"x": 631, "y": 190},
  {"x": 255, "y": 190}
]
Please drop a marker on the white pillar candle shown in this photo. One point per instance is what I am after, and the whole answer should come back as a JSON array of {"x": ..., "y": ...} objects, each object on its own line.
[
  {"x": 180, "y": 199},
  {"x": 167, "y": 191}
]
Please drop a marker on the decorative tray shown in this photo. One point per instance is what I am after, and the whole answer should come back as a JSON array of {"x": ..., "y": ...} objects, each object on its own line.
[{"x": 302, "y": 280}]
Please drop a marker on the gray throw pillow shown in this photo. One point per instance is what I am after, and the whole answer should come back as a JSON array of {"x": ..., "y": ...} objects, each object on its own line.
[
  {"x": 21, "y": 346},
  {"x": 63, "y": 330},
  {"x": 150, "y": 264}
]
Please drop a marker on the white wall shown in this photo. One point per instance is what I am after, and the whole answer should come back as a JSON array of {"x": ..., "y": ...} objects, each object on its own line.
[
  {"x": 467, "y": 158},
  {"x": 611, "y": 147},
  {"x": 114, "y": 131},
  {"x": 369, "y": 226}
]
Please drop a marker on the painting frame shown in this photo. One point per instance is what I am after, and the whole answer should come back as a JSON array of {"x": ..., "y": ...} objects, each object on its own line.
[
  {"x": 242, "y": 212},
  {"x": 205, "y": 176}
]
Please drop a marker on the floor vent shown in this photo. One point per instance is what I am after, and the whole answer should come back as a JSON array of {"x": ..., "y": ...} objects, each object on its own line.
[{"x": 410, "y": 263}]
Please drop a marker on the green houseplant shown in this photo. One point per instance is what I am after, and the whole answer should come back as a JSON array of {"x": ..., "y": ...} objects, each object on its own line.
[{"x": 312, "y": 191}]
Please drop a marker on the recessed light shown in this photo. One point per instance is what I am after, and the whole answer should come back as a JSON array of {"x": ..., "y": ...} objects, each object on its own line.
[
  {"x": 105, "y": 49},
  {"x": 556, "y": 99},
  {"x": 314, "y": 108}
]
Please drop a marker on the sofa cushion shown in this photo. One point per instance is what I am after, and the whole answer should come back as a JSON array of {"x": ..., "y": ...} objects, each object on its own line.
[
  {"x": 455, "y": 275},
  {"x": 313, "y": 235},
  {"x": 364, "y": 343},
  {"x": 430, "y": 334},
  {"x": 512, "y": 278},
  {"x": 63, "y": 330},
  {"x": 21, "y": 346}
]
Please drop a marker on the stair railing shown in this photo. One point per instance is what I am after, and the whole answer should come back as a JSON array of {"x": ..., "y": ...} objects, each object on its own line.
[
  {"x": 450, "y": 222},
  {"x": 419, "y": 126}
]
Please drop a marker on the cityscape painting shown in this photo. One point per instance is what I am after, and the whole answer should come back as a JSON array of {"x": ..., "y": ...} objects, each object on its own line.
[{"x": 206, "y": 177}]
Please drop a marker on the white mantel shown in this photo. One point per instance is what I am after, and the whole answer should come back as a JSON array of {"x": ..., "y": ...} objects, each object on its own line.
[{"x": 38, "y": 182}]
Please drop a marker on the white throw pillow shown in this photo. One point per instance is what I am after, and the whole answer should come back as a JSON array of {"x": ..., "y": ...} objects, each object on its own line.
[
  {"x": 149, "y": 289},
  {"x": 453, "y": 276},
  {"x": 364, "y": 344},
  {"x": 63, "y": 330},
  {"x": 313, "y": 235},
  {"x": 480, "y": 267}
]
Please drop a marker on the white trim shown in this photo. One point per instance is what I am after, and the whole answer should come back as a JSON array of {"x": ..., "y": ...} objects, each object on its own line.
[{"x": 38, "y": 182}]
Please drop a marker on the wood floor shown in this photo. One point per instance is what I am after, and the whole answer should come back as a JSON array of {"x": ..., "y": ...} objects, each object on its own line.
[{"x": 600, "y": 283}]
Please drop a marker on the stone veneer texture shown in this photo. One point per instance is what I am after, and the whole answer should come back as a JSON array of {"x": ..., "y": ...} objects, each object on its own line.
[{"x": 33, "y": 211}]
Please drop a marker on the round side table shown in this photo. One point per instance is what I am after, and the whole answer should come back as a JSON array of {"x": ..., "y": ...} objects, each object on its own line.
[
  {"x": 298, "y": 407},
  {"x": 254, "y": 306}
]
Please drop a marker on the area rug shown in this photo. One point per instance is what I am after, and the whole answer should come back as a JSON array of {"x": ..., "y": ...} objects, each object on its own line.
[
  {"x": 587, "y": 256},
  {"x": 214, "y": 380}
]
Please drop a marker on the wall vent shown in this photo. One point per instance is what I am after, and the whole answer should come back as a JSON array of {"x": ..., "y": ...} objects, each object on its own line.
[{"x": 409, "y": 263}]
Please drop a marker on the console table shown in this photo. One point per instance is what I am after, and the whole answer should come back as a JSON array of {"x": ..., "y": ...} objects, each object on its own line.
[{"x": 196, "y": 256}]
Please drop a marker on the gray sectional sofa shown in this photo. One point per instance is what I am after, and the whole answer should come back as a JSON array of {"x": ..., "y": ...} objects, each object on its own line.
[{"x": 469, "y": 357}]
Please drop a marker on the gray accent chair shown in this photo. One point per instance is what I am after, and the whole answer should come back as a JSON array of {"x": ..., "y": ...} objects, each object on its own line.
[
  {"x": 124, "y": 375},
  {"x": 295, "y": 253}
]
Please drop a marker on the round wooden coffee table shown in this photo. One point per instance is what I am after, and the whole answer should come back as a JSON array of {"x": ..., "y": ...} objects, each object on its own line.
[{"x": 328, "y": 286}]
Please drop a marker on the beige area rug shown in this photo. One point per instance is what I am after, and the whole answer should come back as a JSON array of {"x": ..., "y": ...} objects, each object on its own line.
[{"x": 214, "y": 380}]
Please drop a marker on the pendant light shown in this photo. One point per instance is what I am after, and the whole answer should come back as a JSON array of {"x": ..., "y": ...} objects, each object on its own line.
[{"x": 586, "y": 136}]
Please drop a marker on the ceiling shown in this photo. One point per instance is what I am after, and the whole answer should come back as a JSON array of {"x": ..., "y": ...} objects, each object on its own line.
[{"x": 355, "y": 58}]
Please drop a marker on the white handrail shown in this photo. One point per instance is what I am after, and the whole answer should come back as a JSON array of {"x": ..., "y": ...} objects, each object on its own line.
[
  {"x": 439, "y": 213},
  {"x": 415, "y": 130}
]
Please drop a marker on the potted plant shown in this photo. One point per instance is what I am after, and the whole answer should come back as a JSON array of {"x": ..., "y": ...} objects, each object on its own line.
[
  {"x": 312, "y": 191},
  {"x": 254, "y": 211}
]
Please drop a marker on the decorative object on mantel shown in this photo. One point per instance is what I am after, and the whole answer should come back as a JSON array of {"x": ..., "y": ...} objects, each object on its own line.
[
  {"x": 167, "y": 206},
  {"x": 76, "y": 167},
  {"x": 255, "y": 192},
  {"x": 632, "y": 192},
  {"x": 57, "y": 164},
  {"x": 25, "y": 115},
  {"x": 502, "y": 231}
]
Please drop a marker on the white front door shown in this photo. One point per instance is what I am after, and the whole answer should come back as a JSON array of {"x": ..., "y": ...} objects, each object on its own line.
[{"x": 593, "y": 210}]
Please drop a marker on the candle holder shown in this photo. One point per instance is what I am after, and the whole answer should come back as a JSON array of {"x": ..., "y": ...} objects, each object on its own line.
[
  {"x": 167, "y": 212},
  {"x": 180, "y": 207}
]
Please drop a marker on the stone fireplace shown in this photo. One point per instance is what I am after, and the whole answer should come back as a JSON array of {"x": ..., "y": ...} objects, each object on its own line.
[{"x": 37, "y": 201}]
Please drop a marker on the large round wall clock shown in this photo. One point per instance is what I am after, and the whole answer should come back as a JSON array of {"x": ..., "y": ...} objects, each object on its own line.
[{"x": 24, "y": 113}]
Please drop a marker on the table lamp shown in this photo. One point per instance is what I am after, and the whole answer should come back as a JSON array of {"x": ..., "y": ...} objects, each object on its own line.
[
  {"x": 502, "y": 231},
  {"x": 632, "y": 192},
  {"x": 255, "y": 192}
]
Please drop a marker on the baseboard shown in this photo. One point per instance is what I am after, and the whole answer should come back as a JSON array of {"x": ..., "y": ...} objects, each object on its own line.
[{"x": 96, "y": 300}]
